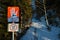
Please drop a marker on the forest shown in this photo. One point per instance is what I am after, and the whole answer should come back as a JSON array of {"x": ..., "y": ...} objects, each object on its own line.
[{"x": 47, "y": 12}]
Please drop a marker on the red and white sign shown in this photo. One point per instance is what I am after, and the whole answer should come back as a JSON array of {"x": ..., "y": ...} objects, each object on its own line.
[
  {"x": 13, "y": 14},
  {"x": 13, "y": 27}
]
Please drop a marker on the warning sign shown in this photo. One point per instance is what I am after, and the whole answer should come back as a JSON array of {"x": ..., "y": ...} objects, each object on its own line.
[
  {"x": 13, "y": 14},
  {"x": 13, "y": 27}
]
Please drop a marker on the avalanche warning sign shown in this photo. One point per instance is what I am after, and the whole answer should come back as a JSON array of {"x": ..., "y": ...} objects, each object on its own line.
[{"x": 13, "y": 14}]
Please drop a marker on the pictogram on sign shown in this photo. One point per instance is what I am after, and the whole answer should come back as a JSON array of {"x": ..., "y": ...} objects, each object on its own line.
[
  {"x": 13, "y": 27},
  {"x": 13, "y": 14}
]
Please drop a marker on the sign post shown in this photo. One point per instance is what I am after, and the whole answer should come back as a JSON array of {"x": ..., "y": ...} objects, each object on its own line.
[
  {"x": 12, "y": 27},
  {"x": 12, "y": 35},
  {"x": 13, "y": 20}
]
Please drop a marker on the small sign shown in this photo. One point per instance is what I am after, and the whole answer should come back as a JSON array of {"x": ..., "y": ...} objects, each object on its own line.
[
  {"x": 13, "y": 27},
  {"x": 13, "y": 14}
]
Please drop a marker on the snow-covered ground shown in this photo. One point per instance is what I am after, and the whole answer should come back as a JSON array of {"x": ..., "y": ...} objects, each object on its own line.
[{"x": 38, "y": 31}]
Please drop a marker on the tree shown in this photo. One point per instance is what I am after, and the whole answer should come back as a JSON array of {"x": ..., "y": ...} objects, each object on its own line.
[{"x": 24, "y": 5}]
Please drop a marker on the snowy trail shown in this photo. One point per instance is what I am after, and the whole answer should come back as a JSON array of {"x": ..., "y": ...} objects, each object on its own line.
[
  {"x": 41, "y": 32},
  {"x": 38, "y": 30}
]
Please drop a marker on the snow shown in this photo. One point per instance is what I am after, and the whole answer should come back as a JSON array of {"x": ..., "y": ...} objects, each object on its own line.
[
  {"x": 38, "y": 29},
  {"x": 41, "y": 32}
]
